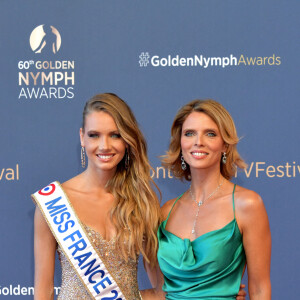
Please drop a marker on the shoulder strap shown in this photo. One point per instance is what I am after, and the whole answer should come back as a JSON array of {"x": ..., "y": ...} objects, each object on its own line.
[
  {"x": 74, "y": 242},
  {"x": 233, "y": 200},
  {"x": 172, "y": 207}
]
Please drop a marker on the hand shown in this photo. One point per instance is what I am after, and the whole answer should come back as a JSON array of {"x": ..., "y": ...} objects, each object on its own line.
[
  {"x": 242, "y": 293},
  {"x": 152, "y": 294}
]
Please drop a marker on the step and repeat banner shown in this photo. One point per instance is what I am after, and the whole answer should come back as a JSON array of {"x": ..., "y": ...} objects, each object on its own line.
[{"x": 156, "y": 55}]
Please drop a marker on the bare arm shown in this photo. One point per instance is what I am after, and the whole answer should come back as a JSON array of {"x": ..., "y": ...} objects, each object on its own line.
[
  {"x": 257, "y": 243},
  {"x": 157, "y": 281},
  {"x": 154, "y": 273},
  {"x": 44, "y": 258}
]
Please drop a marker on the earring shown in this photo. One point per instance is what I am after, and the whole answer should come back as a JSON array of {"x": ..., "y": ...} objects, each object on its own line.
[
  {"x": 82, "y": 157},
  {"x": 224, "y": 158},
  {"x": 127, "y": 159},
  {"x": 183, "y": 164}
]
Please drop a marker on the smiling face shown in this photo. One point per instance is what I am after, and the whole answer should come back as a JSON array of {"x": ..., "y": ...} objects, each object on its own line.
[
  {"x": 104, "y": 146},
  {"x": 201, "y": 142}
]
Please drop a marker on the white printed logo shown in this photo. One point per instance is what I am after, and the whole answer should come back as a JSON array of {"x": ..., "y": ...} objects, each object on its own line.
[
  {"x": 45, "y": 39},
  {"x": 144, "y": 59}
]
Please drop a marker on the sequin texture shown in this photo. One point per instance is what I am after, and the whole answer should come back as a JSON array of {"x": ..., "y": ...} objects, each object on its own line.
[{"x": 124, "y": 272}]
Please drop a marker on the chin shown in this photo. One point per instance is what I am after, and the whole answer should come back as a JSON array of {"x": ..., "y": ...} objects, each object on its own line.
[
  {"x": 104, "y": 167},
  {"x": 107, "y": 168},
  {"x": 201, "y": 166}
]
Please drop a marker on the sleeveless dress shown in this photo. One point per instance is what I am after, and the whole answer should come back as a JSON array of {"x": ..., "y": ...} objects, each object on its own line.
[
  {"x": 124, "y": 272},
  {"x": 209, "y": 267}
]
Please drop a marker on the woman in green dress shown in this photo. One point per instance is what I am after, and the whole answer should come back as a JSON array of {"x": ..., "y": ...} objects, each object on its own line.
[{"x": 215, "y": 228}]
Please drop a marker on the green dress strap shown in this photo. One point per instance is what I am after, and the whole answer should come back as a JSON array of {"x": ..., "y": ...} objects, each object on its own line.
[
  {"x": 172, "y": 207},
  {"x": 233, "y": 200}
]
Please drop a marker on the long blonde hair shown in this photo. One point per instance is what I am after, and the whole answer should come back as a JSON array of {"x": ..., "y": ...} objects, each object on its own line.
[
  {"x": 224, "y": 121},
  {"x": 136, "y": 213}
]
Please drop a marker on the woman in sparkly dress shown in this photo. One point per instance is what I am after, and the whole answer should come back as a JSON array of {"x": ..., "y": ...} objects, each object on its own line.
[{"x": 113, "y": 199}]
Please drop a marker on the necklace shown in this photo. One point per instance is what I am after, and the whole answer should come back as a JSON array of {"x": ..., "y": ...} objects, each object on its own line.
[{"x": 202, "y": 202}]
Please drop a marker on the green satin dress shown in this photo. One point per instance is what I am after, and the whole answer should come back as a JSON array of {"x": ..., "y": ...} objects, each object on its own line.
[{"x": 209, "y": 267}]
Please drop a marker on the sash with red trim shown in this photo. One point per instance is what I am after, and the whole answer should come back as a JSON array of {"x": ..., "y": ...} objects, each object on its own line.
[{"x": 74, "y": 242}]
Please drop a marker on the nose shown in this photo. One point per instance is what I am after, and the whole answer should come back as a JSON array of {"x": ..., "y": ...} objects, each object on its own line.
[
  {"x": 198, "y": 140},
  {"x": 104, "y": 143}
]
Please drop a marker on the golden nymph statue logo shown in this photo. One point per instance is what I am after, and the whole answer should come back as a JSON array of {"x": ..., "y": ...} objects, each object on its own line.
[
  {"x": 46, "y": 76},
  {"x": 45, "y": 39}
]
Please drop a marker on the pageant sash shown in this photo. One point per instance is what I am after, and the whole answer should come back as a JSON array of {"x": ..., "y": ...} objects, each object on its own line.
[{"x": 73, "y": 240}]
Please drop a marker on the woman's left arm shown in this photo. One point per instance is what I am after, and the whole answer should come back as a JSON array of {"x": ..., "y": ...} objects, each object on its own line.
[
  {"x": 156, "y": 278},
  {"x": 253, "y": 220}
]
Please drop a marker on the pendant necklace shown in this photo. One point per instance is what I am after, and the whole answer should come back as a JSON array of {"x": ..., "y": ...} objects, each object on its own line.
[{"x": 202, "y": 202}]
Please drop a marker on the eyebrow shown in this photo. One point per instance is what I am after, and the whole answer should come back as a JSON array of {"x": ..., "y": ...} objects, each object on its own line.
[
  {"x": 96, "y": 131},
  {"x": 207, "y": 129},
  {"x": 212, "y": 129}
]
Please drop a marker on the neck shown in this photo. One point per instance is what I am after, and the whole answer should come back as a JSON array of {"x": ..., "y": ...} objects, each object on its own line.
[
  {"x": 204, "y": 182},
  {"x": 97, "y": 179}
]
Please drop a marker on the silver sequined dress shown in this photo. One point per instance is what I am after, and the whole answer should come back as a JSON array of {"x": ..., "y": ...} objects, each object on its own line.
[{"x": 124, "y": 272}]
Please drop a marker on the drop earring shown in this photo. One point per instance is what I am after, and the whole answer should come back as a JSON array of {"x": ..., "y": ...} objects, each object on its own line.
[
  {"x": 82, "y": 157},
  {"x": 224, "y": 158},
  {"x": 183, "y": 164}
]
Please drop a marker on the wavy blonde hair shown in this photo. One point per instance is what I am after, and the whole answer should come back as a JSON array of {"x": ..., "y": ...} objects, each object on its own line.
[
  {"x": 136, "y": 213},
  {"x": 224, "y": 121}
]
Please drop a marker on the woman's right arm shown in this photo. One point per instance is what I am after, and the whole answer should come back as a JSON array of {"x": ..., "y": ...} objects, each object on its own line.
[{"x": 44, "y": 258}]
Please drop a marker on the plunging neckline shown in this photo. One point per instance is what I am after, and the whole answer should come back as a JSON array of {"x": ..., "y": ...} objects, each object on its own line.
[
  {"x": 98, "y": 234},
  {"x": 200, "y": 236},
  {"x": 164, "y": 223},
  {"x": 82, "y": 223}
]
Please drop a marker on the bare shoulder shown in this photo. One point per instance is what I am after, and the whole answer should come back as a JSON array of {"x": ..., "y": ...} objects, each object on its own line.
[
  {"x": 246, "y": 199},
  {"x": 73, "y": 188},
  {"x": 165, "y": 209},
  {"x": 72, "y": 184},
  {"x": 249, "y": 205}
]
